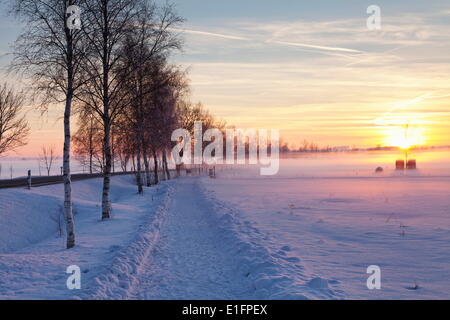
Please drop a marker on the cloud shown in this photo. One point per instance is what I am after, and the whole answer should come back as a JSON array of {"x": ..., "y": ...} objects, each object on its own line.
[{"x": 389, "y": 117}]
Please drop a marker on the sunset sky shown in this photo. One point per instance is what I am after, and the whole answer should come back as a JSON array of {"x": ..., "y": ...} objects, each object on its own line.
[{"x": 309, "y": 68}]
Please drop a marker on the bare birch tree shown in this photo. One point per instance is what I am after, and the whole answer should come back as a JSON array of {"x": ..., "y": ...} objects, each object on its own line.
[
  {"x": 51, "y": 52},
  {"x": 145, "y": 52},
  {"x": 108, "y": 23},
  {"x": 13, "y": 127},
  {"x": 171, "y": 84}
]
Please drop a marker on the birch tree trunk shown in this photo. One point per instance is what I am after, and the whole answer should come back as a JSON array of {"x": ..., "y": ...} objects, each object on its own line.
[
  {"x": 139, "y": 169},
  {"x": 166, "y": 167},
  {"x": 163, "y": 178},
  {"x": 155, "y": 169},
  {"x": 91, "y": 145},
  {"x": 106, "y": 202},
  {"x": 68, "y": 214},
  {"x": 146, "y": 165},
  {"x": 112, "y": 151},
  {"x": 133, "y": 163}
]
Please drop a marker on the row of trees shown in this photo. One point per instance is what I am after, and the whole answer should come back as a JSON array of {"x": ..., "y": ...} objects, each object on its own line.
[
  {"x": 152, "y": 154},
  {"x": 115, "y": 73}
]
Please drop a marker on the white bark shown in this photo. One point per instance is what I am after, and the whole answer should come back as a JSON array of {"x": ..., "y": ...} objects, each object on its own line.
[
  {"x": 68, "y": 214},
  {"x": 106, "y": 202}
]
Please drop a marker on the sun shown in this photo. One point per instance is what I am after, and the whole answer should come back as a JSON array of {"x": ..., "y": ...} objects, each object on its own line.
[{"x": 404, "y": 137}]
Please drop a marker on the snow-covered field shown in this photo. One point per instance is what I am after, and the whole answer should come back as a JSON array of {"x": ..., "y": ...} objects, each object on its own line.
[
  {"x": 329, "y": 217},
  {"x": 309, "y": 232},
  {"x": 18, "y": 167}
]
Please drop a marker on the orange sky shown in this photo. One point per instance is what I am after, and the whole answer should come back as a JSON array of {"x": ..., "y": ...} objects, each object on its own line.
[{"x": 330, "y": 80}]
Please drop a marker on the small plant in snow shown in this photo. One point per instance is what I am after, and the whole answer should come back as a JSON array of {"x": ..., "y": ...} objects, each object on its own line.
[{"x": 414, "y": 287}]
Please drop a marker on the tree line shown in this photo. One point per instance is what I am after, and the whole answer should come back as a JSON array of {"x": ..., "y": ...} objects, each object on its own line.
[{"x": 114, "y": 73}]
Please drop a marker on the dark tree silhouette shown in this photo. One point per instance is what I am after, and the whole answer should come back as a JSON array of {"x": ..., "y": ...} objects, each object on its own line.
[{"x": 13, "y": 127}]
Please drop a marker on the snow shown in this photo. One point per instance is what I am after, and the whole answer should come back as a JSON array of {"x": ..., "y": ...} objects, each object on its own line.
[
  {"x": 202, "y": 256},
  {"x": 334, "y": 221},
  {"x": 33, "y": 258},
  {"x": 18, "y": 167},
  {"x": 190, "y": 255},
  {"x": 309, "y": 232}
]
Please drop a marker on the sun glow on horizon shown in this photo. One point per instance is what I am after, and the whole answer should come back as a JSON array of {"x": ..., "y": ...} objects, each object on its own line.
[{"x": 405, "y": 137}]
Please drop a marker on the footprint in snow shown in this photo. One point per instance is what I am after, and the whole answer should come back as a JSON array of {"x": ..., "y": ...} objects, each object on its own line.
[
  {"x": 292, "y": 259},
  {"x": 114, "y": 248},
  {"x": 318, "y": 283}
]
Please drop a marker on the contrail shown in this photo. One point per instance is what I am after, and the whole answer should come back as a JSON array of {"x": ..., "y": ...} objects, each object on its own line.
[
  {"x": 211, "y": 34},
  {"x": 429, "y": 95},
  {"x": 296, "y": 44},
  {"x": 304, "y": 45}
]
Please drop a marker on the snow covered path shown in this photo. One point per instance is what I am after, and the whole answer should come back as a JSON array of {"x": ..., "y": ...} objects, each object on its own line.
[
  {"x": 189, "y": 261},
  {"x": 177, "y": 241}
]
